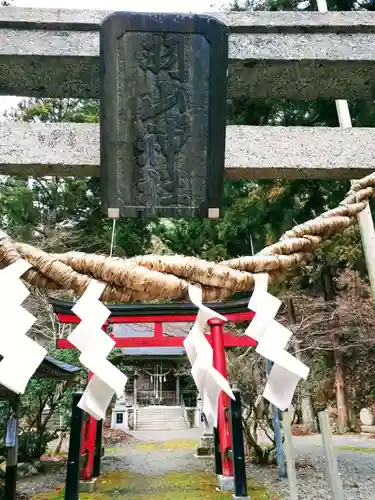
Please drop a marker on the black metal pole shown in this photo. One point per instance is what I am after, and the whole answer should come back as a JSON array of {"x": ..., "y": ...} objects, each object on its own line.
[
  {"x": 98, "y": 449},
  {"x": 218, "y": 463},
  {"x": 10, "y": 487},
  {"x": 238, "y": 451},
  {"x": 72, "y": 473}
]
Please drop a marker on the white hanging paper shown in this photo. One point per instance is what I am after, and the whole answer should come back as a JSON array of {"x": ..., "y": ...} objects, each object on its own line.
[
  {"x": 272, "y": 340},
  {"x": 280, "y": 387},
  {"x": 96, "y": 398},
  {"x": 100, "y": 313},
  {"x": 208, "y": 380},
  {"x": 22, "y": 355},
  {"x": 272, "y": 346},
  {"x": 261, "y": 322},
  {"x": 95, "y": 345},
  {"x": 16, "y": 373},
  {"x": 275, "y": 334},
  {"x": 210, "y": 405},
  {"x": 210, "y": 383},
  {"x": 106, "y": 371}
]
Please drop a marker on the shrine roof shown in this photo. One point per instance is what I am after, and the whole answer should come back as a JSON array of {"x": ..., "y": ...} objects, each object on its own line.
[
  {"x": 140, "y": 309},
  {"x": 50, "y": 368},
  {"x": 52, "y": 365}
]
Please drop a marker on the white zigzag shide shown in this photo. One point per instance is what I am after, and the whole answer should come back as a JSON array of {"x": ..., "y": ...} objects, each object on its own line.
[
  {"x": 95, "y": 345},
  {"x": 208, "y": 380},
  {"x": 21, "y": 355},
  {"x": 273, "y": 338}
]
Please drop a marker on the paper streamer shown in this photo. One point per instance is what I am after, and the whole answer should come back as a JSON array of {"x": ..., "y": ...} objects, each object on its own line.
[
  {"x": 21, "y": 355},
  {"x": 273, "y": 338},
  {"x": 208, "y": 380},
  {"x": 95, "y": 345}
]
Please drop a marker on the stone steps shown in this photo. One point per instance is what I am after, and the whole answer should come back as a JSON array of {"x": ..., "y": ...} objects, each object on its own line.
[{"x": 161, "y": 418}]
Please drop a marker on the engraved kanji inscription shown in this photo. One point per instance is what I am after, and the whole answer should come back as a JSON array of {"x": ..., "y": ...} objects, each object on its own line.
[
  {"x": 164, "y": 114},
  {"x": 159, "y": 114},
  {"x": 169, "y": 96},
  {"x": 165, "y": 52}
]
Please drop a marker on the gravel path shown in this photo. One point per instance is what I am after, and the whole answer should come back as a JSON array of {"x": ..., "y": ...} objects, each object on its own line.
[
  {"x": 134, "y": 458},
  {"x": 357, "y": 468},
  {"x": 155, "y": 462},
  {"x": 158, "y": 458},
  {"x": 42, "y": 482}
]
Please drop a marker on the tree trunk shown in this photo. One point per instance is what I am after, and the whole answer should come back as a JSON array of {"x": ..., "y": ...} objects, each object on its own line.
[
  {"x": 342, "y": 407},
  {"x": 341, "y": 403},
  {"x": 60, "y": 442},
  {"x": 307, "y": 410}
]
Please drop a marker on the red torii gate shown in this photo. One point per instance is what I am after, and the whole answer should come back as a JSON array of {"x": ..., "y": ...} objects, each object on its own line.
[{"x": 234, "y": 311}]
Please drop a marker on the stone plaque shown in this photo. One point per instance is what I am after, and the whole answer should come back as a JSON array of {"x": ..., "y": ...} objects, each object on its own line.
[{"x": 163, "y": 114}]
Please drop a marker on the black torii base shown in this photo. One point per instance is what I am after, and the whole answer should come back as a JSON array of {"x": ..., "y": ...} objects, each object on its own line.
[
  {"x": 74, "y": 454},
  {"x": 238, "y": 449}
]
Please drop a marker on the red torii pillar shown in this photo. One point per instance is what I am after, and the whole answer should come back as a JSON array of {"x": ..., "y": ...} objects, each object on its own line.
[
  {"x": 223, "y": 424},
  {"x": 88, "y": 443},
  {"x": 89, "y": 428}
]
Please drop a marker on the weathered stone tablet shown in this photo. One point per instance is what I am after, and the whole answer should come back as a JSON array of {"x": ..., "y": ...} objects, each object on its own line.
[{"x": 163, "y": 114}]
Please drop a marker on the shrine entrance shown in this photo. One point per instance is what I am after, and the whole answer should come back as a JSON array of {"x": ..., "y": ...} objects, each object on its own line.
[
  {"x": 159, "y": 330},
  {"x": 161, "y": 374}
]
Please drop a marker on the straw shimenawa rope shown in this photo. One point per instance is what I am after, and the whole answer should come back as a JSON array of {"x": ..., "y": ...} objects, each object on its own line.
[{"x": 152, "y": 277}]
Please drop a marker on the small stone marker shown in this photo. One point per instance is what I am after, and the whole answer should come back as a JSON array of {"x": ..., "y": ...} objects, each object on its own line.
[
  {"x": 366, "y": 416},
  {"x": 163, "y": 114}
]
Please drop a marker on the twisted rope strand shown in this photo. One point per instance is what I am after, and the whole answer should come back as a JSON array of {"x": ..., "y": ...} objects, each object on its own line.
[{"x": 150, "y": 277}]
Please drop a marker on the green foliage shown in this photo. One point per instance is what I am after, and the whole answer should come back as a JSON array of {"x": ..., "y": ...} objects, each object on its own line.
[
  {"x": 32, "y": 445},
  {"x": 257, "y": 214}
]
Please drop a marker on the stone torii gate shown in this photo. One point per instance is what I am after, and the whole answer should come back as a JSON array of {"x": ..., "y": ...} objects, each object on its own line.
[
  {"x": 55, "y": 53},
  {"x": 280, "y": 55}
]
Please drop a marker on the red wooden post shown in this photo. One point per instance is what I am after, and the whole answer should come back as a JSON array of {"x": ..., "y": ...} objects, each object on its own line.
[
  {"x": 88, "y": 444},
  {"x": 89, "y": 438},
  {"x": 219, "y": 362},
  {"x": 82, "y": 473}
]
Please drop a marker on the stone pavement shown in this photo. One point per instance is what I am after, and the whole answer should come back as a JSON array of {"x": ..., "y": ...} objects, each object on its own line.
[{"x": 193, "y": 434}]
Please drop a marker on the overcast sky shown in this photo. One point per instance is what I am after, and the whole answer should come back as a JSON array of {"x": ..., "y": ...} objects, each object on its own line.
[{"x": 131, "y": 5}]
